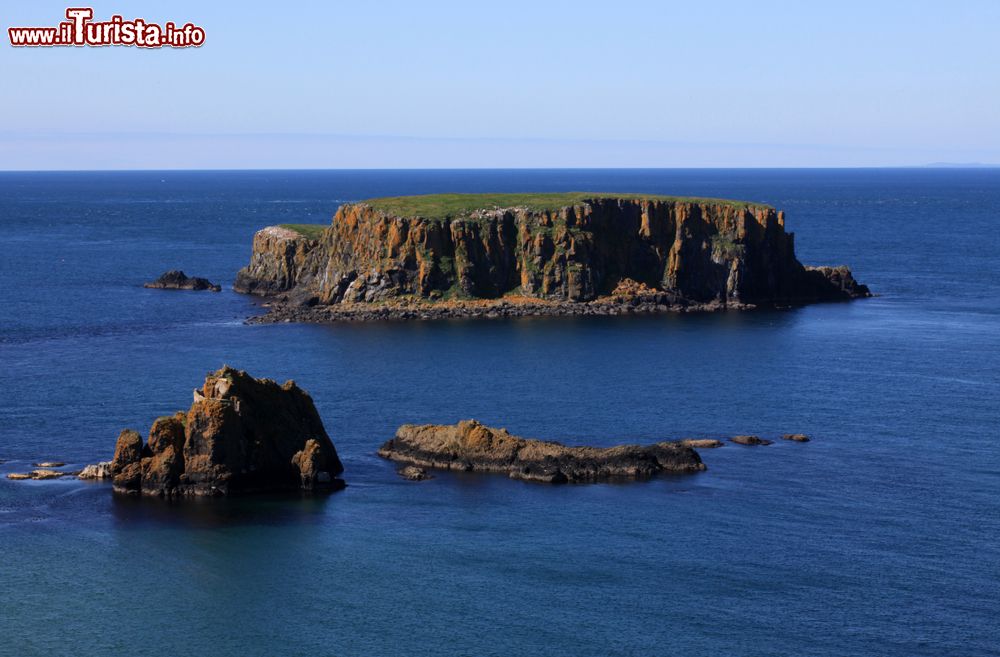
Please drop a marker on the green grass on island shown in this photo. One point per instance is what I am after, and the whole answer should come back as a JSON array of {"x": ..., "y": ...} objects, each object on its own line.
[
  {"x": 311, "y": 231},
  {"x": 446, "y": 206}
]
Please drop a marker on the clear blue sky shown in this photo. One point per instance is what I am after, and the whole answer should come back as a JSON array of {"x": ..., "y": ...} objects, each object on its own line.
[{"x": 311, "y": 84}]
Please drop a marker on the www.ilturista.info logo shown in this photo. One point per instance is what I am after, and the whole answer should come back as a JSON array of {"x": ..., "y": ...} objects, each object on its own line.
[{"x": 81, "y": 30}]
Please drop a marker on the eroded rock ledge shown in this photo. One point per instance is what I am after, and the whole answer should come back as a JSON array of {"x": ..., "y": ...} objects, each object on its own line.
[
  {"x": 511, "y": 254},
  {"x": 471, "y": 446},
  {"x": 240, "y": 435}
]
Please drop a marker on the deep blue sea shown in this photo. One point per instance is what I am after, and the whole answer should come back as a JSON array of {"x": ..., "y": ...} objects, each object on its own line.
[{"x": 879, "y": 537}]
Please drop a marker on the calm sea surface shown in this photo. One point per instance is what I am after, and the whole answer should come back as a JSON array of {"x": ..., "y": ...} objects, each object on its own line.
[{"x": 880, "y": 537}]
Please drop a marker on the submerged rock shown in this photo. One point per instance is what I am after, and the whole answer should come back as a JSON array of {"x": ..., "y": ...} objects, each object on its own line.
[
  {"x": 413, "y": 473},
  {"x": 178, "y": 280},
  {"x": 471, "y": 446},
  {"x": 749, "y": 440},
  {"x": 49, "y": 474},
  {"x": 49, "y": 464},
  {"x": 240, "y": 435},
  {"x": 796, "y": 437},
  {"x": 40, "y": 475}
]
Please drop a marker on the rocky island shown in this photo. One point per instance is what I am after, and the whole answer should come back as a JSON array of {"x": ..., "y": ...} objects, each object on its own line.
[
  {"x": 471, "y": 446},
  {"x": 458, "y": 255},
  {"x": 240, "y": 435}
]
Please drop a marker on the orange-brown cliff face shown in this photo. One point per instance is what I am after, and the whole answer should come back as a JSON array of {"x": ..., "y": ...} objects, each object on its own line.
[
  {"x": 240, "y": 435},
  {"x": 692, "y": 251},
  {"x": 278, "y": 262}
]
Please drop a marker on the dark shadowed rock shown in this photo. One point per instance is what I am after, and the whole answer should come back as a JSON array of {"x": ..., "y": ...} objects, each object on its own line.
[
  {"x": 178, "y": 280},
  {"x": 161, "y": 472},
  {"x": 472, "y": 446},
  {"x": 313, "y": 463},
  {"x": 240, "y": 435},
  {"x": 834, "y": 282},
  {"x": 749, "y": 440},
  {"x": 128, "y": 479}
]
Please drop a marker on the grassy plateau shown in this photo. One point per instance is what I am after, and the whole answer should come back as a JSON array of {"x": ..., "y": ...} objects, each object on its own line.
[
  {"x": 311, "y": 231},
  {"x": 446, "y": 206}
]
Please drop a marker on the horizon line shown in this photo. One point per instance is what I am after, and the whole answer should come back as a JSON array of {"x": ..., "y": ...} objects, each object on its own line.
[{"x": 935, "y": 165}]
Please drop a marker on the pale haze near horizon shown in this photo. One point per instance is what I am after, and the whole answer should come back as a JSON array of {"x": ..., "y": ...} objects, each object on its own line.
[{"x": 513, "y": 84}]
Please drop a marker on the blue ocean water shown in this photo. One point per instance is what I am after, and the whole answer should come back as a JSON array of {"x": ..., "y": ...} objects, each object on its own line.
[{"x": 880, "y": 537}]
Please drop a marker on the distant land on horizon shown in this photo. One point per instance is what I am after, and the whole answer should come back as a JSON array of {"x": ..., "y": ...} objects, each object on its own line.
[{"x": 961, "y": 165}]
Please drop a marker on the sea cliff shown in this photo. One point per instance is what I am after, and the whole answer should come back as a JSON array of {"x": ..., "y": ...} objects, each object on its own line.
[{"x": 555, "y": 249}]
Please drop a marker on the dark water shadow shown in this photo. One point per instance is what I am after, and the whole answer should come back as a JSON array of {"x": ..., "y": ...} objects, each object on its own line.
[{"x": 270, "y": 510}]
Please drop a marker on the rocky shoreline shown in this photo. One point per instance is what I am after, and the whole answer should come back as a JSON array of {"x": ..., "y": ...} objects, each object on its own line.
[{"x": 282, "y": 311}]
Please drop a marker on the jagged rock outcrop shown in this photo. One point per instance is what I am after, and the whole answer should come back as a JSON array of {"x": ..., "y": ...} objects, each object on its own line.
[
  {"x": 240, "y": 435},
  {"x": 578, "y": 249},
  {"x": 471, "y": 446},
  {"x": 178, "y": 280}
]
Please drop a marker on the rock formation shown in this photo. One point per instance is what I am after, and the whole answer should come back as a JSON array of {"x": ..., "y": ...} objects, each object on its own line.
[
  {"x": 796, "y": 437},
  {"x": 563, "y": 247},
  {"x": 470, "y": 446},
  {"x": 178, "y": 280},
  {"x": 240, "y": 435},
  {"x": 702, "y": 443},
  {"x": 97, "y": 471},
  {"x": 750, "y": 441}
]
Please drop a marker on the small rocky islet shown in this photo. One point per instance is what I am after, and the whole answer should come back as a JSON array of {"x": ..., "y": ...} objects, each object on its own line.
[
  {"x": 240, "y": 435},
  {"x": 511, "y": 255},
  {"x": 471, "y": 446},
  {"x": 178, "y": 280}
]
